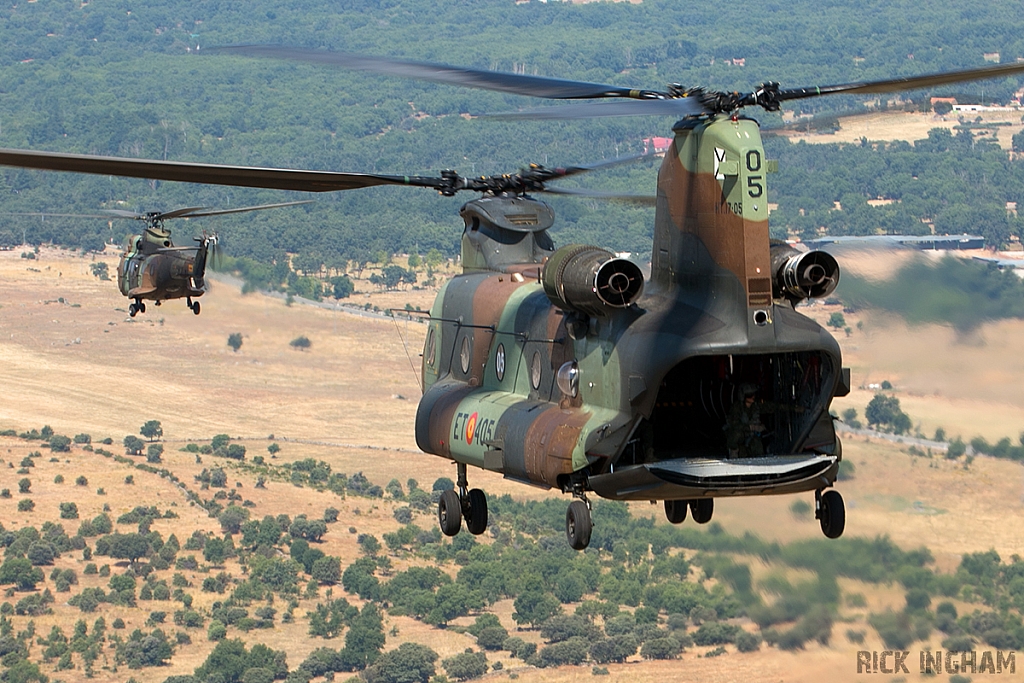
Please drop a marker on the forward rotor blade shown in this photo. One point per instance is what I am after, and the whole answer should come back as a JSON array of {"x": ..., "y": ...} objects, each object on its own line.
[
  {"x": 215, "y": 174},
  {"x": 646, "y": 200},
  {"x": 517, "y": 84},
  {"x": 121, "y": 213},
  {"x": 44, "y": 214},
  {"x": 679, "y": 108},
  {"x": 909, "y": 83},
  {"x": 221, "y": 212},
  {"x": 597, "y": 166}
]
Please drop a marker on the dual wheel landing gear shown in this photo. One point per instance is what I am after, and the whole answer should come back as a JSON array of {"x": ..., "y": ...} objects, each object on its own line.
[
  {"x": 136, "y": 308},
  {"x": 701, "y": 509},
  {"x": 578, "y": 523},
  {"x": 830, "y": 512},
  {"x": 470, "y": 504},
  {"x": 193, "y": 305}
]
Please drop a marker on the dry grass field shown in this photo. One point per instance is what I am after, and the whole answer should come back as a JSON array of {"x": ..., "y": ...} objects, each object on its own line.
[
  {"x": 82, "y": 365},
  {"x": 910, "y": 126}
]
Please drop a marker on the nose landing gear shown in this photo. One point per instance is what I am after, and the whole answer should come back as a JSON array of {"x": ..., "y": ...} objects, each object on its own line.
[
  {"x": 193, "y": 305},
  {"x": 137, "y": 307}
]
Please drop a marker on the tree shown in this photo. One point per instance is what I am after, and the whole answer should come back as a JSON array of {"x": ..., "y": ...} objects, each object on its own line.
[
  {"x": 942, "y": 108},
  {"x": 232, "y": 518},
  {"x": 235, "y": 451},
  {"x": 154, "y": 453},
  {"x": 301, "y": 343},
  {"x": 59, "y": 443},
  {"x": 661, "y": 648},
  {"x": 218, "y": 478},
  {"x": 235, "y": 341},
  {"x": 215, "y": 550},
  {"x": 342, "y": 287},
  {"x": 1018, "y": 142},
  {"x": 327, "y": 570},
  {"x": 408, "y": 663},
  {"x": 884, "y": 411},
  {"x": 466, "y": 665},
  {"x": 133, "y": 445},
  {"x": 229, "y": 662},
  {"x": 130, "y": 547},
  {"x": 151, "y": 430},
  {"x": 364, "y": 640},
  {"x": 535, "y": 607},
  {"x": 20, "y": 572},
  {"x": 40, "y": 553},
  {"x": 836, "y": 320}
]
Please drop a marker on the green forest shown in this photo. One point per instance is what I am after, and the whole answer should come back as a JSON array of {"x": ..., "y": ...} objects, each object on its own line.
[{"x": 135, "y": 79}]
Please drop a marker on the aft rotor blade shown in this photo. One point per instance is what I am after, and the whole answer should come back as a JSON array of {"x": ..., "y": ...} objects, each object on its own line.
[
  {"x": 215, "y": 174},
  {"x": 679, "y": 108},
  {"x": 517, "y": 84},
  {"x": 221, "y": 212},
  {"x": 909, "y": 83},
  {"x": 647, "y": 200}
]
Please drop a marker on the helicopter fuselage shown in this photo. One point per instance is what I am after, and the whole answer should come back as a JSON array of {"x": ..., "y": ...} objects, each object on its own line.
[
  {"x": 636, "y": 401},
  {"x": 152, "y": 268}
]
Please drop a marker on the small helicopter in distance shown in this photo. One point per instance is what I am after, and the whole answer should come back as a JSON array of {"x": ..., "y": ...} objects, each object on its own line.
[
  {"x": 565, "y": 367},
  {"x": 153, "y": 268}
]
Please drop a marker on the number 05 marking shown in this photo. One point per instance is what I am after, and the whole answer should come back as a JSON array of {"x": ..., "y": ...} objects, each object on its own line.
[{"x": 754, "y": 187}]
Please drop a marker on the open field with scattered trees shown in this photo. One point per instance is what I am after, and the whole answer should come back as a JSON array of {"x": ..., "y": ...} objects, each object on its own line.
[{"x": 177, "y": 506}]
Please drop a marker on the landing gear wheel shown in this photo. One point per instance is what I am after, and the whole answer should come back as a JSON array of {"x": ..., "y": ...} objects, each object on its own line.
[
  {"x": 142, "y": 307},
  {"x": 449, "y": 513},
  {"x": 675, "y": 510},
  {"x": 195, "y": 307},
  {"x": 578, "y": 525},
  {"x": 832, "y": 514},
  {"x": 702, "y": 509},
  {"x": 476, "y": 512},
  {"x": 132, "y": 310}
]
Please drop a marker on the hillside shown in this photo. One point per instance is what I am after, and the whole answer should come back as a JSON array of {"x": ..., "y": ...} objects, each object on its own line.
[{"x": 78, "y": 364}]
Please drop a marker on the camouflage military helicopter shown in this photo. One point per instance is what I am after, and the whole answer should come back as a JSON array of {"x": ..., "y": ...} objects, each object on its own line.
[
  {"x": 566, "y": 368},
  {"x": 153, "y": 268}
]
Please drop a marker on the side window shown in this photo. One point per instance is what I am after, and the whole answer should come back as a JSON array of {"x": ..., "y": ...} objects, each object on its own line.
[
  {"x": 432, "y": 346},
  {"x": 465, "y": 355}
]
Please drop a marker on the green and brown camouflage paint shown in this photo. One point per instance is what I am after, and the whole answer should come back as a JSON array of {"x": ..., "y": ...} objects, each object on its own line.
[{"x": 709, "y": 295}]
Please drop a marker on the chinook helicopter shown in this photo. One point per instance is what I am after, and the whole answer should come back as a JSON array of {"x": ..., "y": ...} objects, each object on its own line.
[
  {"x": 565, "y": 367},
  {"x": 153, "y": 268}
]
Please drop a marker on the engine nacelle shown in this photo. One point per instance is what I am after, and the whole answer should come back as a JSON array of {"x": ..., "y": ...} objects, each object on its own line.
[
  {"x": 800, "y": 275},
  {"x": 591, "y": 280}
]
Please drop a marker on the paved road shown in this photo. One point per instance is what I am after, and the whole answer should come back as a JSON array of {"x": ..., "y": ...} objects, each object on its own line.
[{"x": 844, "y": 428}]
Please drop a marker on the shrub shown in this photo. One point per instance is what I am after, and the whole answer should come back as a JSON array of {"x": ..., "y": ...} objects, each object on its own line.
[
  {"x": 661, "y": 648},
  {"x": 59, "y": 479},
  {"x": 302, "y": 343},
  {"x": 748, "y": 642},
  {"x": 68, "y": 511},
  {"x": 26, "y": 505},
  {"x": 25, "y": 485},
  {"x": 81, "y": 480},
  {"x": 466, "y": 665}
]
